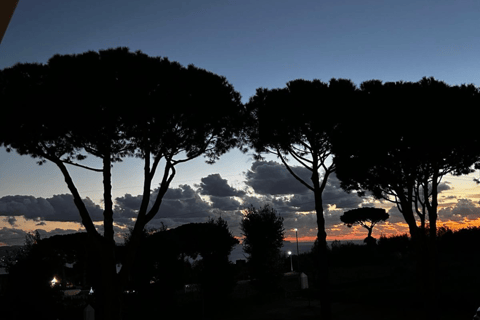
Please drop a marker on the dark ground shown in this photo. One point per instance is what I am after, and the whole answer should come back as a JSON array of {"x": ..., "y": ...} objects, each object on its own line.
[{"x": 366, "y": 284}]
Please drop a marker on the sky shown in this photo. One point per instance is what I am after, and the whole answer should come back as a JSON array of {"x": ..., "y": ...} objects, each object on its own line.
[{"x": 253, "y": 44}]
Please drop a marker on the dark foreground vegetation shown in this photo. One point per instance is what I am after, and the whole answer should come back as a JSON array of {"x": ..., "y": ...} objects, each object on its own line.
[{"x": 368, "y": 282}]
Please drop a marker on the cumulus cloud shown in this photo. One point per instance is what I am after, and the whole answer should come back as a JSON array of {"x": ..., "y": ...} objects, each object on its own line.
[
  {"x": 57, "y": 208},
  {"x": 273, "y": 178},
  {"x": 464, "y": 208},
  {"x": 443, "y": 186},
  {"x": 224, "y": 203},
  {"x": 179, "y": 204},
  {"x": 395, "y": 215},
  {"x": 214, "y": 185}
]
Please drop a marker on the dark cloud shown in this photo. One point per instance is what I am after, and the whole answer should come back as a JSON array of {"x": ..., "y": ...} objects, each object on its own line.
[
  {"x": 10, "y": 220},
  {"x": 443, "y": 186},
  {"x": 214, "y": 185},
  {"x": 273, "y": 178},
  {"x": 335, "y": 195},
  {"x": 57, "y": 208},
  {"x": 183, "y": 192},
  {"x": 303, "y": 202},
  {"x": 395, "y": 215},
  {"x": 464, "y": 208},
  {"x": 224, "y": 203},
  {"x": 178, "y": 204}
]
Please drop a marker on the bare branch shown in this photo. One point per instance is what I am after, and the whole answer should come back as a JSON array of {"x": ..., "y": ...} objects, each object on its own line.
[
  {"x": 301, "y": 153},
  {"x": 82, "y": 166},
  {"x": 175, "y": 162},
  {"x": 297, "y": 158},
  {"x": 293, "y": 173},
  {"x": 306, "y": 146},
  {"x": 154, "y": 166},
  {"x": 147, "y": 182},
  {"x": 163, "y": 189},
  {"x": 86, "y": 220}
]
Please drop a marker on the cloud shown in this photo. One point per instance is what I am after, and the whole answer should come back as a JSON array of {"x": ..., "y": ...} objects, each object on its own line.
[
  {"x": 335, "y": 195},
  {"x": 449, "y": 197},
  {"x": 180, "y": 205},
  {"x": 214, "y": 185},
  {"x": 10, "y": 220},
  {"x": 443, "y": 186},
  {"x": 464, "y": 208},
  {"x": 395, "y": 215},
  {"x": 224, "y": 203},
  {"x": 57, "y": 208},
  {"x": 273, "y": 178}
]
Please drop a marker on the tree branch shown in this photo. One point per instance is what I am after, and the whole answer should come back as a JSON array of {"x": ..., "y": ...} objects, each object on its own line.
[
  {"x": 154, "y": 166},
  {"x": 81, "y": 166},
  {"x": 96, "y": 153},
  {"x": 300, "y": 151},
  {"x": 82, "y": 209},
  {"x": 293, "y": 173},
  {"x": 306, "y": 145},
  {"x": 147, "y": 182},
  {"x": 303, "y": 164},
  {"x": 324, "y": 179},
  {"x": 163, "y": 189}
]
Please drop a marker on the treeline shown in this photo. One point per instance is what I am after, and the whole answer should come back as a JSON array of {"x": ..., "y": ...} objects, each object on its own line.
[{"x": 393, "y": 141}]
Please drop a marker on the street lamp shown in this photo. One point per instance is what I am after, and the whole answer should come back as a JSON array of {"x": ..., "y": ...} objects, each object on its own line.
[
  {"x": 291, "y": 264},
  {"x": 298, "y": 256}
]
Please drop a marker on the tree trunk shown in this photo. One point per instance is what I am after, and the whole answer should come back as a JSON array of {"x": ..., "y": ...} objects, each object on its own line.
[
  {"x": 432, "y": 299},
  {"x": 111, "y": 291},
  {"x": 324, "y": 279}
]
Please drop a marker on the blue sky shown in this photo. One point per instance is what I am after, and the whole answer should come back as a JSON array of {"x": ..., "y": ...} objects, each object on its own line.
[{"x": 253, "y": 44}]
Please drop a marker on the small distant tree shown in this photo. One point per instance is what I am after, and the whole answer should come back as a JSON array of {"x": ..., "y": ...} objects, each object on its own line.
[
  {"x": 367, "y": 218},
  {"x": 264, "y": 233}
]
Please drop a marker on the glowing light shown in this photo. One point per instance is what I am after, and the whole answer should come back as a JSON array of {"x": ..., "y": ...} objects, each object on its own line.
[{"x": 53, "y": 282}]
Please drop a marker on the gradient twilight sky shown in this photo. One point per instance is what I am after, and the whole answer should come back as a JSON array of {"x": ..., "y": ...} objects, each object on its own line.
[{"x": 253, "y": 44}]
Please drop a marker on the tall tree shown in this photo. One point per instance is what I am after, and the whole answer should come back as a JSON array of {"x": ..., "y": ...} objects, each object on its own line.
[
  {"x": 297, "y": 121},
  {"x": 113, "y": 104},
  {"x": 408, "y": 151},
  {"x": 263, "y": 233}
]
